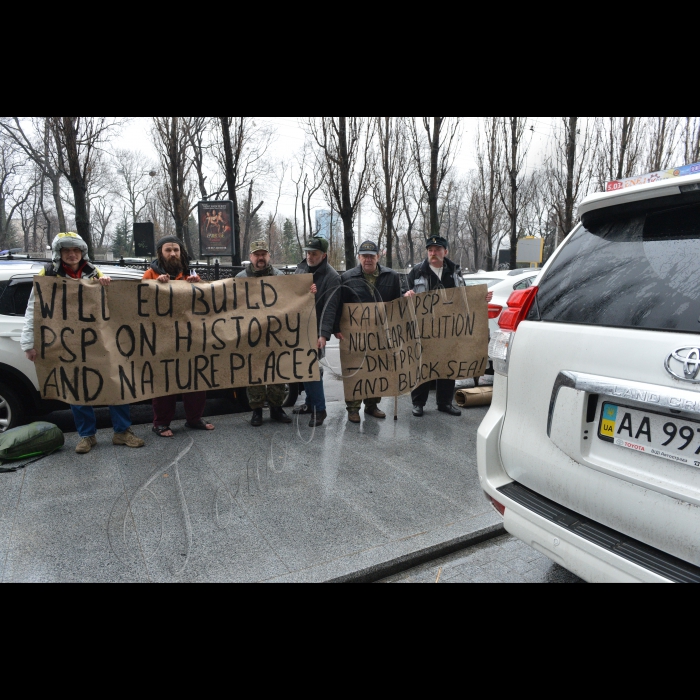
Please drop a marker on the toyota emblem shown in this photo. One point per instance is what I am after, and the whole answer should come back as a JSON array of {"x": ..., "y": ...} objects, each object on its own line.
[{"x": 684, "y": 364}]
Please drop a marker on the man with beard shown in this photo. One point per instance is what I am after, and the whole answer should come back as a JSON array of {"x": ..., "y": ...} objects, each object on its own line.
[
  {"x": 173, "y": 266},
  {"x": 274, "y": 395}
]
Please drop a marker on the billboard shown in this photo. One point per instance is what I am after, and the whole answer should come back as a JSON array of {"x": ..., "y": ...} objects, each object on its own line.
[
  {"x": 145, "y": 240},
  {"x": 216, "y": 229},
  {"x": 531, "y": 250},
  {"x": 684, "y": 171}
]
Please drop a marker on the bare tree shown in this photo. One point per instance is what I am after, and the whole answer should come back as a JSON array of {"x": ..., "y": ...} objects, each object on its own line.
[
  {"x": 345, "y": 152},
  {"x": 171, "y": 138},
  {"x": 241, "y": 154},
  {"x": 78, "y": 141},
  {"x": 569, "y": 169},
  {"x": 664, "y": 134},
  {"x": 691, "y": 139},
  {"x": 434, "y": 142},
  {"x": 308, "y": 182},
  {"x": 486, "y": 213},
  {"x": 516, "y": 142},
  {"x": 11, "y": 163},
  {"x": 410, "y": 205},
  {"x": 35, "y": 137},
  {"x": 620, "y": 148},
  {"x": 393, "y": 168}
]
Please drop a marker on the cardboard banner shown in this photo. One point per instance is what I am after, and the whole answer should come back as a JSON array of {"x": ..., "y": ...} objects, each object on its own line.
[
  {"x": 391, "y": 349},
  {"x": 135, "y": 341}
]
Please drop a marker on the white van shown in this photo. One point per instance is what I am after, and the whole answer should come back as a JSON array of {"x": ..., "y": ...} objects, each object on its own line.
[
  {"x": 19, "y": 386},
  {"x": 591, "y": 449}
]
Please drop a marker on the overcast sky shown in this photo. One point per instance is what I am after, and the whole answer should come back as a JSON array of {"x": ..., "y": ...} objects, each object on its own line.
[{"x": 290, "y": 139}]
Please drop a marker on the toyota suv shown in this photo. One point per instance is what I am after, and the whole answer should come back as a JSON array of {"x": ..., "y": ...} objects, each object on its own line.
[
  {"x": 19, "y": 386},
  {"x": 591, "y": 449}
]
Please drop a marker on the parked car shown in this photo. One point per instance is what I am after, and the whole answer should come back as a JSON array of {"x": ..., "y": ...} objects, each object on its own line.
[
  {"x": 591, "y": 449},
  {"x": 19, "y": 386},
  {"x": 502, "y": 284}
]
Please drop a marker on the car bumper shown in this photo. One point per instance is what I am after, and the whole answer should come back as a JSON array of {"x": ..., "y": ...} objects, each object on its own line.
[{"x": 589, "y": 561}]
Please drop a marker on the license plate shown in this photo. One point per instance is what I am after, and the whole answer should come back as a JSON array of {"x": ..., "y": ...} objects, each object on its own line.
[{"x": 674, "y": 439}]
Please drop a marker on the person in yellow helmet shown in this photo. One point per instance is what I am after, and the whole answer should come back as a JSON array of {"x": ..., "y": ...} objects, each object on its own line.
[{"x": 71, "y": 261}]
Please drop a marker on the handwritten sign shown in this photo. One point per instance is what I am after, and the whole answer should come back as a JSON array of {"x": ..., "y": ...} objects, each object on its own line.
[
  {"x": 391, "y": 349},
  {"x": 134, "y": 341}
]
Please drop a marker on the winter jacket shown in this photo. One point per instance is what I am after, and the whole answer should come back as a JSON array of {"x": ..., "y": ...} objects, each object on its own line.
[
  {"x": 328, "y": 298},
  {"x": 356, "y": 290},
  {"x": 157, "y": 270},
  {"x": 89, "y": 272},
  {"x": 250, "y": 272},
  {"x": 423, "y": 279}
]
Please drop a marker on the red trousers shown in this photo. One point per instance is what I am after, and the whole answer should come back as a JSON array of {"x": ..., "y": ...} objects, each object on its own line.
[{"x": 165, "y": 407}]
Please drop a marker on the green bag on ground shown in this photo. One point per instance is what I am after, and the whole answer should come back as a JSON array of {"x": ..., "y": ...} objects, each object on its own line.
[{"x": 35, "y": 440}]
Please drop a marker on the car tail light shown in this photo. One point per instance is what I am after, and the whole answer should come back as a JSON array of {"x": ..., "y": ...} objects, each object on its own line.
[
  {"x": 519, "y": 306},
  {"x": 500, "y": 508},
  {"x": 494, "y": 311}
]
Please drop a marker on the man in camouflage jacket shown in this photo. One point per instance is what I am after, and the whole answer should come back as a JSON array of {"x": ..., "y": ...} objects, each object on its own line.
[{"x": 275, "y": 395}]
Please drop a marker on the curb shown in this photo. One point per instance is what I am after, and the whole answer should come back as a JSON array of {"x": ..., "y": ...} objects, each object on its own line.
[{"x": 399, "y": 565}]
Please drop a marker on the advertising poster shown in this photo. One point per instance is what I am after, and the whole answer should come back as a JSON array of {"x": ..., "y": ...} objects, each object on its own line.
[{"x": 216, "y": 229}]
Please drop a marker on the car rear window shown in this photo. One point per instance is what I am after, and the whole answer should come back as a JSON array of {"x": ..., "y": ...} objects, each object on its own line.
[
  {"x": 470, "y": 282},
  {"x": 642, "y": 271}
]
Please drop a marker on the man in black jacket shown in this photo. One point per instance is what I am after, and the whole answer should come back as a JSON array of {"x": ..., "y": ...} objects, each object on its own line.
[
  {"x": 370, "y": 283},
  {"x": 436, "y": 272},
  {"x": 327, "y": 282}
]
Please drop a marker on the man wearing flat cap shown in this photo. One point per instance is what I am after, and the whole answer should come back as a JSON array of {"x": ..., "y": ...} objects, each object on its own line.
[
  {"x": 370, "y": 283},
  {"x": 327, "y": 288},
  {"x": 274, "y": 395},
  {"x": 436, "y": 272}
]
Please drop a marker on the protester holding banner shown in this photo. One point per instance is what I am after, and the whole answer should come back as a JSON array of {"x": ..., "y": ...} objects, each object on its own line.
[
  {"x": 370, "y": 283},
  {"x": 328, "y": 303},
  {"x": 434, "y": 273},
  {"x": 275, "y": 395},
  {"x": 173, "y": 266},
  {"x": 71, "y": 261}
]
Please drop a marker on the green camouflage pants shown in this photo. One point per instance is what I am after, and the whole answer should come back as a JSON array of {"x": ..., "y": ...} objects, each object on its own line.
[
  {"x": 357, "y": 405},
  {"x": 274, "y": 395}
]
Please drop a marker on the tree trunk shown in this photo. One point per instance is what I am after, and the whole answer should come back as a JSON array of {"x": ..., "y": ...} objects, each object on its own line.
[
  {"x": 571, "y": 150},
  {"x": 346, "y": 212},
  {"x": 514, "y": 195},
  {"x": 232, "y": 184},
  {"x": 77, "y": 181},
  {"x": 434, "y": 177}
]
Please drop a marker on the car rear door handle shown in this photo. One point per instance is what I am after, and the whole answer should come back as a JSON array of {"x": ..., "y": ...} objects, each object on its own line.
[{"x": 13, "y": 335}]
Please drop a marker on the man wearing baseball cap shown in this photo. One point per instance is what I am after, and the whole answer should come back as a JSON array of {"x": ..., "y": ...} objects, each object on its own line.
[
  {"x": 327, "y": 285},
  {"x": 274, "y": 395},
  {"x": 369, "y": 283},
  {"x": 436, "y": 272}
]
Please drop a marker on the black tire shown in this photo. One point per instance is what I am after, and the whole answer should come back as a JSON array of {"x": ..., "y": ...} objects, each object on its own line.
[
  {"x": 293, "y": 391},
  {"x": 12, "y": 412}
]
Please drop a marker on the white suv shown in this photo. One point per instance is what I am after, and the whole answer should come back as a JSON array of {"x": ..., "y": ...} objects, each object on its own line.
[
  {"x": 591, "y": 449},
  {"x": 19, "y": 387}
]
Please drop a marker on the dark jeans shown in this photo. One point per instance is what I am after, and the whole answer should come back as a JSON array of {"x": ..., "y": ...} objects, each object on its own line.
[
  {"x": 165, "y": 407},
  {"x": 445, "y": 393},
  {"x": 86, "y": 423}
]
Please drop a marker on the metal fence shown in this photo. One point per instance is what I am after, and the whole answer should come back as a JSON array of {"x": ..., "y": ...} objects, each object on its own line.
[{"x": 208, "y": 273}]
